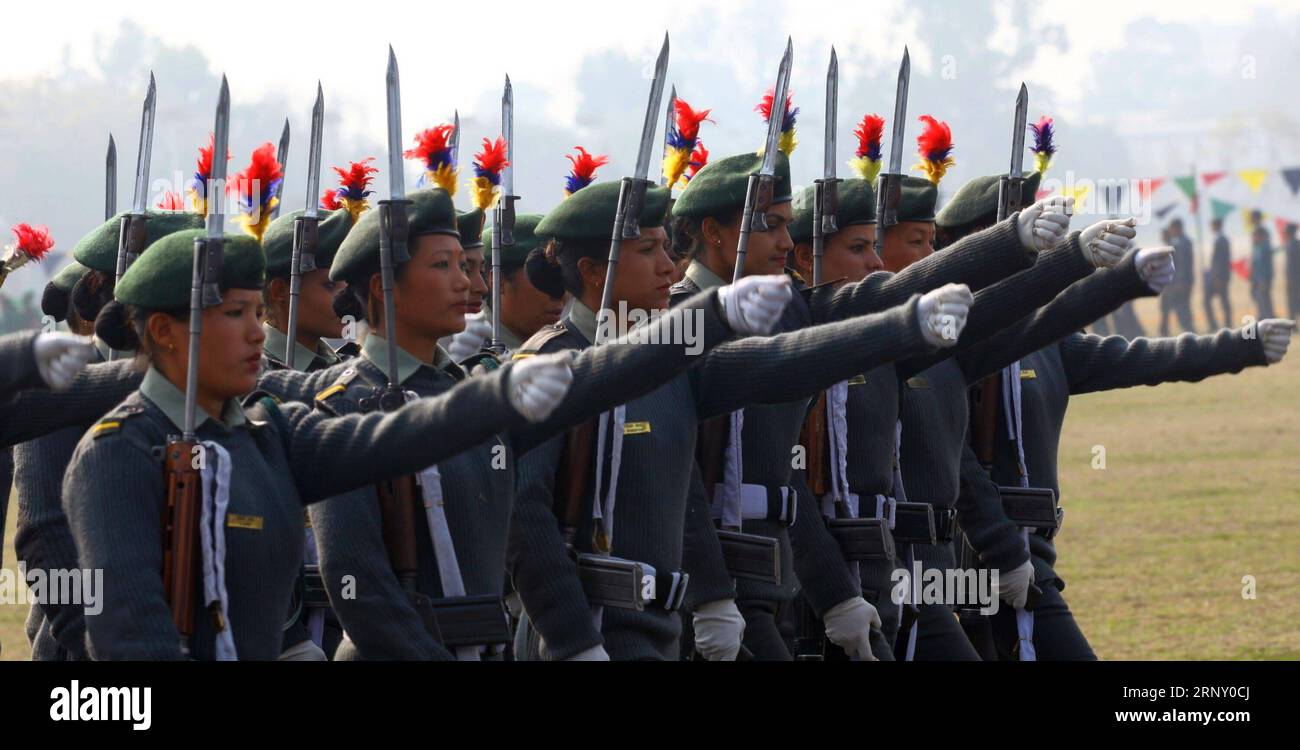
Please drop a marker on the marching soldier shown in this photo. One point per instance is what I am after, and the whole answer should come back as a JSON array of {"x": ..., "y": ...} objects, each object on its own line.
[
  {"x": 1177, "y": 298},
  {"x": 1261, "y": 267},
  {"x": 653, "y": 486},
  {"x": 259, "y": 464},
  {"x": 1217, "y": 277},
  {"x": 1292, "y": 245}
]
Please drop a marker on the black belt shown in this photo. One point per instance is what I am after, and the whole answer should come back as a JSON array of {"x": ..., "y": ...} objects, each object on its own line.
[{"x": 624, "y": 584}]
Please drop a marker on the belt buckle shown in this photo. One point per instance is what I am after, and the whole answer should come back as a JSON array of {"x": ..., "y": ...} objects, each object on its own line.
[
  {"x": 672, "y": 600},
  {"x": 890, "y": 501},
  {"x": 1050, "y": 534}
]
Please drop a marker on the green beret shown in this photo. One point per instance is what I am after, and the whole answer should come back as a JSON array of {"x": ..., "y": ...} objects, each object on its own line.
[
  {"x": 589, "y": 213},
  {"x": 277, "y": 243},
  {"x": 160, "y": 279},
  {"x": 918, "y": 200},
  {"x": 857, "y": 205},
  {"x": 98, "y": 250},
  {"x": 525, "y": 241},
  {"x": 977, "y": 200},
  {"x": 719, "y": 187},
  {"x": 470, "y": 225},
  {"x": 430, "y": 212},
  {"x": 68, "y": 276}
]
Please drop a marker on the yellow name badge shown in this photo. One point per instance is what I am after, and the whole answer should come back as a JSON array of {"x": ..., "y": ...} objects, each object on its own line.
[
  {"x": 636, "y": 428},
  {"x": 916, "y": 381},
  {"x": 1029, "y": 374},
  {"x": 236, "y": 521},
  {"x": 858, "y": 380}
]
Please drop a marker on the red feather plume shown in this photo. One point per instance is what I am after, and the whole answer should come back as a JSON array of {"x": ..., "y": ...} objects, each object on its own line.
[
  {"x": 329, "y": 200},
  {"x": 688, "y": 120},
  {"x": 33, "y": 241},
  {"x": 170, "y": 201},
  {"x": 491, "y": 159}
]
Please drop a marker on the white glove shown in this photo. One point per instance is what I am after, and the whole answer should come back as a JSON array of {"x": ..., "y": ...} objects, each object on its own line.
[
  {"x": 1155, "y": 266},
  {"x": 1044, "y": 223},
  {"x": 595, "y": 653},
  {"x": 538, "y": 384},
  {"x": 1105, "y": 243},
  {"x": 469, "y": 342},
  {"x": 60, "y": 356},
  {"x": 754, "y": 304},
  {"x": 1275, "y": 335},
  {"x": 1013, "y": 585},
  {"x": 848, "y": 625},
  {"x": 943, "y": 313},
  {"x": 719, "y": 626}
]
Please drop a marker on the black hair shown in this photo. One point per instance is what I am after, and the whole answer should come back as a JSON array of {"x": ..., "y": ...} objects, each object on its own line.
[
  {"x": 54, "y": 302},
  {"x": 92, "y": 292},
  {"x": 564, "y": 256},
  {"x": 687, "y": 232},
  {"x": 543, "y": 274}
]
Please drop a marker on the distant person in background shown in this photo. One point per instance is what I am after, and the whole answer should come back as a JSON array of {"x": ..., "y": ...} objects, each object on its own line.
[
  {"x": 1261, "y": 268},
  {"x": 1177, "y": 297},
  {"x": 1217, "y": 276},
  {"x": 1292, "y": 245}
]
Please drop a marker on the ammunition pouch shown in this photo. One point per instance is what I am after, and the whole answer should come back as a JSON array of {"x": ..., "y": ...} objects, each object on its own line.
[
  {"x": 751, "y": 556},
  {"x": 314, "y": 595},
  {"x": 628, "y": 584},
  {"x": 457, "y": 621},
  {"x": 862, "y": 539},
  {"x": 1032, "y": 508}
]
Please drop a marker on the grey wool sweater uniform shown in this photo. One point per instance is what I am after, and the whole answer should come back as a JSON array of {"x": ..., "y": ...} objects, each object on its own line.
[
  {"x": 43, "y": 540},
  {"x": 281, "y": 458},
  {"x": 934, "y": 406},
  {"x": 478, "y": 484},
  {"x": 1084, "y": 363},
  {"x": 771, "y": 431},
  {"x": 30, "y": 413},
  {"x": 659, "y": 503}
]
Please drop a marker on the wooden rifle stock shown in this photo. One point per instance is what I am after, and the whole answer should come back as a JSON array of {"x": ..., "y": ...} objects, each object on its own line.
[
  {"x": 181, "y": 533},
  {"x": 397, "y": 503},
  {"x": 814, "y": 440},
  {"x": 571, "y": 477},
  {"x": 984, "y": 417}
]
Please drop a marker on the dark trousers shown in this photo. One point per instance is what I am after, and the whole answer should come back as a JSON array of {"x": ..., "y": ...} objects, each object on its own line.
[
  {"x": 1293, "y": 298},
  {"x": 1220, "y": 293},
  {"x": 1262, "y": 292},
  {"x": 939, "y": 637},
  {"x": 762, "y": 636},
  {"x": 1179, "y": 302},
  {"x": 1126, "y": 322},
  {"x": 1056, "y": 635}
]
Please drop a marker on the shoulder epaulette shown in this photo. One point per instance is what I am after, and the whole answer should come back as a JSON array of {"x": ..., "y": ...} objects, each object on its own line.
[
  {"x": 113, "y": 421},
  {"x": 538, "y": 340},
  {"x": 340, "y": 385}
]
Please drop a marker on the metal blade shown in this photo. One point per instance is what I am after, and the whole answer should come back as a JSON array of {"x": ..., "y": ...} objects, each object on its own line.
[
  {"x": 144, "y": 153},
  {"x": 900, "y": 115},
  {"x": 110, "y": 180},
  {"x": 508, "y": 133},
  {"x": 455, "y": 140},
  {"x": 220, "y": 146},
  {"x": 1018, "y": 133},
  {"x": 396, "y": 178},
  {"x": 668, "y": 130},
  {"x": 652, "y": 113},
  {"x": 313, "y": 153},
  {"x": 281, "y": 156},
  {"x": 832, "y": 112},
  {"x": 777, "y": 115}
]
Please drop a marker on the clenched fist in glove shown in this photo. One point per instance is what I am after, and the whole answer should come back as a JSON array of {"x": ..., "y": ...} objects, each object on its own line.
[
  {"x": 1155, "y": 266},
  {"x": 60, "y": 356},
  {"x": 754, "y": 304},
  {"x": 719, "y": 628},
  {"x": 943, "y": 313},
  {"x": 538, "y": 384},
  {"x": 470, "y": 341},
  {"x": 1106, "y": 242},
  {"x": 1275, "y": 335},
  {"x": 849, "y": 624},
  {"x": 1013, "y": 585},
  {"x": 1044, "y": 223}
]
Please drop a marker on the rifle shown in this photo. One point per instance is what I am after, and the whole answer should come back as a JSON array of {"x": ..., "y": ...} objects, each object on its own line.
[
  {"x": 503, "y": 217},
  {"x": 110, "y": 180},
  {"x": 889, "y": 185},
  {"x": 180, "y": 523},
  {"x": 305, "y": 237},
  {"x": 131, "y": 232}
]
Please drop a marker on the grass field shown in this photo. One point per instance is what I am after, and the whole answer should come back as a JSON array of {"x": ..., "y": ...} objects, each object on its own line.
[{"x": 1201, "y": 488}]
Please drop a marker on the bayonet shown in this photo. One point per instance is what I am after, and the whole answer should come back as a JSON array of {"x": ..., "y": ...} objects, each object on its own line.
[
  {"x": 889, "y": 185},
  {"x": 758, "y": 193},
  {"x": 281, "y": 156},
  {"x": 1011, "y": 197},
  {"x": 631, "y": 194},
  {"x": 110, "y": 180},
  {"x": 503, "y": 216},
  {"x": 303, "y": 256},
  {"x": 393, "y": 231},
  {"x": 455, "y": 140},
  {"x": 131, "y": 231},
  {"x": 668, "y": 132},
  {"x": 826, "y": 190}
]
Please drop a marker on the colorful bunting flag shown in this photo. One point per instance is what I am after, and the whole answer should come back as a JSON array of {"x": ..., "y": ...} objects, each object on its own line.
[
  {"x": 1148, "y": 186},
  {"x": 1187, "y": 185},
  {"x": 1161, "y": 213},
  {"x": 1209, "y": 178},
  {"x": 1220, "y": 208},
  {"x": 1254, "y": 178},
  {"x": 1292, "y": 177}
]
